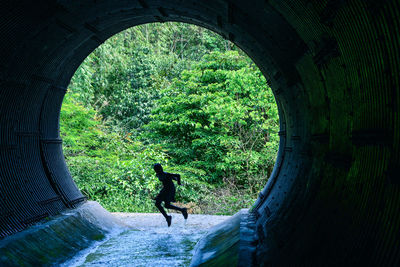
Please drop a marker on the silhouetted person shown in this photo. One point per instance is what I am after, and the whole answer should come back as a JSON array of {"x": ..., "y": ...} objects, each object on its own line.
[{"x": 167, "y": 193}]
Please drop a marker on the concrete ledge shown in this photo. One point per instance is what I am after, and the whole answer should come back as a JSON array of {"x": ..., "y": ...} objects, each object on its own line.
[
  {"x": 225, "y": 242},
  {"x": 248, "y": 240},
  {"x": 59, "y": 238}
]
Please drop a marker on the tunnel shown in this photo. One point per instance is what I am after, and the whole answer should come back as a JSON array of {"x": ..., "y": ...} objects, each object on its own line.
[{"x": 333, "y": 65}]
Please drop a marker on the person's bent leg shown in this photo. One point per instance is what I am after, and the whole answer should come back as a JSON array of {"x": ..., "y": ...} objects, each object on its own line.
[
  {"x": 161, "y": 209},
  {"x": 168, "y": 205}
]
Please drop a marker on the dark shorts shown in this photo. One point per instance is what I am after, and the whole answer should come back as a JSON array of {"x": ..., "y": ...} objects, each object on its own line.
[{"x": 167, "y": 195}]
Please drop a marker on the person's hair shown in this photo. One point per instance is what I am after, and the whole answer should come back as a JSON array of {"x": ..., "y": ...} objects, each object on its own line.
[{"x": 158, "y": 168}]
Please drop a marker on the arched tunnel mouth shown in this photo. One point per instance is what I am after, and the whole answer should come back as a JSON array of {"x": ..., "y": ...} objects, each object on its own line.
[
  {"x": 86, "y": 105},
  {"x": 75, "y": 49},
  {"x": 50, "y": 150},
  {"x": 337, "y": 143}
]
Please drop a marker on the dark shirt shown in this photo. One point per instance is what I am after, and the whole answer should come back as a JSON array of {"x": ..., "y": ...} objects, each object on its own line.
[{"x": 166, "y": 179}]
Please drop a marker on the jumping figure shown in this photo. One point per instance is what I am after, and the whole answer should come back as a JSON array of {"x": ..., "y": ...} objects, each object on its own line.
[{"x": 167, "y": 193}]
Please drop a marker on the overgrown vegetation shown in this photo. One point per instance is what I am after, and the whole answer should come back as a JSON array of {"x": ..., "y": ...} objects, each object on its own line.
[{"x": 179, "y": 95}]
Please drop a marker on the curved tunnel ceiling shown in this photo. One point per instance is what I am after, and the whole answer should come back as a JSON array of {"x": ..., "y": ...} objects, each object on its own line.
[{"x": 333, "y": 197}]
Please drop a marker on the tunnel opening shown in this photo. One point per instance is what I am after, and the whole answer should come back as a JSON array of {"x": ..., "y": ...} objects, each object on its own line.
[
  {"x": 332, "y": 65},
  {"x": 124, "y": 91}
]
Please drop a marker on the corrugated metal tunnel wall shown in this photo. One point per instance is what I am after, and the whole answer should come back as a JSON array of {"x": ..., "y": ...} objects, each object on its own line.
[{"x": 333, "y": 198}]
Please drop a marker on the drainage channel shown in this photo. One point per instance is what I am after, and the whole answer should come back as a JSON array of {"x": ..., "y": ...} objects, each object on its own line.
[{"x": 150, "y": 242}]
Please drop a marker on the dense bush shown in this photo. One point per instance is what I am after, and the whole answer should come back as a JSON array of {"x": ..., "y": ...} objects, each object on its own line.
[
  {"x": 113, "y": 169},
  {"x": 219, "y": 117}
]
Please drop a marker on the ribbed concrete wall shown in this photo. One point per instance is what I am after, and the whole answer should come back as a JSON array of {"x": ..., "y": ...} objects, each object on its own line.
[{"x": 334, "y": 67}]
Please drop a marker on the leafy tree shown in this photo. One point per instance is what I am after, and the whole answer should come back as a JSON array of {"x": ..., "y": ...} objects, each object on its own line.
[
  {"x": 123, "y": 77},
  {"x": 113, "y": 169},
  {"x": 219, "y": 117}
]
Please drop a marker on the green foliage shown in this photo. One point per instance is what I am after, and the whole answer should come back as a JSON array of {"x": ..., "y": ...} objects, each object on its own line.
[
  {"x": 123, "y": 77},
  {"x": 219, "y": 117},
  {"x": 111, "y": 168},
  {"x": 176, "y": 94}
]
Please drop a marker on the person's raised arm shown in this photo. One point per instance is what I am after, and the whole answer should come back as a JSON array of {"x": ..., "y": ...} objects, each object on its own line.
[{"x": 176, "y": 177}]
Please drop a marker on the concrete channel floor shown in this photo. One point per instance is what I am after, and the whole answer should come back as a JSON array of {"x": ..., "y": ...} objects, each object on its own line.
[{"x": 150, "y": 242}]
